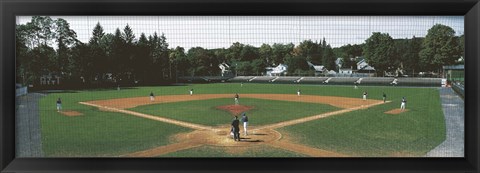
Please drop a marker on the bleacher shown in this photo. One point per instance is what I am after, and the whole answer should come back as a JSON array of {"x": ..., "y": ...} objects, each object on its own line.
[
  {"x": 343, "y": 80},
  {"x": 202, "y": 79},
  {"x": 286, "y": 80},
  {"x": 313, "y": 80},
  {"x": 376, "y": 81},
  {"x": 241, "y": 79},
  {"x": 430, "y": 82},
  {"x": 262, "y": 79}
]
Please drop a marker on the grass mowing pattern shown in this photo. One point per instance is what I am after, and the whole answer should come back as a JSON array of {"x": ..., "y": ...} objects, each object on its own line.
[
  {"x": 373, "y": 133},
  {"x": 416, "y": 131},
  {"x": 204, "y": 111},
  {"x": 253, "y": 151}
]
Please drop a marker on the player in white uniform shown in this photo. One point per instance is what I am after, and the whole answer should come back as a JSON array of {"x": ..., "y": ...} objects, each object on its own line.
[
  {"x": 298, "y": 92},
  {"x": 245, "y": 122},
  {"x": 236, "y": 99},
  {"x": 191, "y": 92},
  {"x": 365, "y": 95},
  {"x": 404, "y": 102}
]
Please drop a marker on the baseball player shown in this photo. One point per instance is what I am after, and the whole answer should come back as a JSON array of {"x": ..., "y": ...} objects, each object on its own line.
[
  {"x": 152, "y": 97},
  {"x": 384, "y": 97},
  {"x": 298, "y": 92},
  {"x": 236, "y": 99},
  {"x": 356, "y": 85},
  {"x": 404, "y": 102},
  {"x": 241, "y": 84},
  {"x": 118, "y": 87},
  {"x": 59, "y": 105},
  {"x": 365, "y": 95},
  {"x": 191, "y": 92},
  {"x": 245, "y": 122},
  {"x": 236, "y": 129}
]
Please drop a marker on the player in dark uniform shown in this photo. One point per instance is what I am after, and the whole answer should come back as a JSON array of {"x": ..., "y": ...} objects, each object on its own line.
[
  {"x": 384, "y": 97},
  {"x": 236, "y": 129},
  {"x": 152, "y": 97},
  {"x": 59, "y": 105}
]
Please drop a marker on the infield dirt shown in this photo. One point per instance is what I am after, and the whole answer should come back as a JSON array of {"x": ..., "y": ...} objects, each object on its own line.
[{"x": 220, "y": 136}]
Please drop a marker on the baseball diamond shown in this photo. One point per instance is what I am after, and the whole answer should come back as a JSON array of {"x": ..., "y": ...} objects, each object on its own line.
[{"x": 325, "y": 121}]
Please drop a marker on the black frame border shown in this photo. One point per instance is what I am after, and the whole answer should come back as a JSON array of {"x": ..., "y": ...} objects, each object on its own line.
[{"x": 11, "y": 8}]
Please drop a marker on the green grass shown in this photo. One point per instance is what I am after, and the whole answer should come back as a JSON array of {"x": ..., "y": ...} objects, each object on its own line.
[
  {"x": 97, "y": 133},
  {"x": 254, "y": 151},
  {"x": 264, "y": 112},
  {"x": 373, "y": 133},
  {"x": 363, "y": 132}
]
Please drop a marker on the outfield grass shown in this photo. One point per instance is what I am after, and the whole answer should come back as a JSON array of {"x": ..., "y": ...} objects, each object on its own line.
[
  {"x": 373, "y": 133},
  {"x": 264, "y": 112},
  {"x": 362, "y": 132},
  {"x": 253, "y": 151}
]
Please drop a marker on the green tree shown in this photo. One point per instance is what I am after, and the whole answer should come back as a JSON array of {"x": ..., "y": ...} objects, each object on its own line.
[
  {"x": 235, "y": 52},
  {"x": 439, "y": 48},
  {"x": 329, "y": 58},
  {"x": 249, "y": 53},
  {"x": 280, "y": 52},
  {"x": 411, "y": 58},
  {"x": 297, "y": 65},
  {"x": 181, "y": 62},
  {"x": 265, "y": 53},
  {"x": 203, "y": 61},
  {"x": 379, "y": 49}
]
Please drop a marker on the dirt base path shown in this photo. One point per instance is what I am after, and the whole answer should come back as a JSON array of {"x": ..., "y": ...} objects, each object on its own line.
[
  {"x": 220, "y": 136},
  {"x": 152, "y": 117},
  {"x": 126, "y": 103},
  {"x": 315, "y": 117}
]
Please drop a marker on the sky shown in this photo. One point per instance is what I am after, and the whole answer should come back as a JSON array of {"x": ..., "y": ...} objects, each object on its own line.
[{"x": 221, "y": 31}]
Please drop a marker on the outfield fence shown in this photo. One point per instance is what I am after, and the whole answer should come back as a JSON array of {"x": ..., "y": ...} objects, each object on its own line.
[{"x": 459, "y": 89}]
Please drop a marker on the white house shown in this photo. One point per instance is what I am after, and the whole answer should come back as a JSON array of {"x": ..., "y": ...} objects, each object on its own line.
[
  {"x": 339, "y": 62},
  {"x": 279, "y": 70},
  {"x": 345, "y": 71},
  {"x": 363, "y": 67},
  {"x": 319, "y": 69},
  {"x": 224, "y": 69},
  {"x": 332, "y": 72}
]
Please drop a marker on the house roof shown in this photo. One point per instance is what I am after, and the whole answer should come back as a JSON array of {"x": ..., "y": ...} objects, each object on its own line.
[{"x": 319, "y": 67}]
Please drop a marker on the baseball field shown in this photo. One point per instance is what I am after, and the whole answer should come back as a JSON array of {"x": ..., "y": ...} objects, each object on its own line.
[{"x": 324, "y": 121}]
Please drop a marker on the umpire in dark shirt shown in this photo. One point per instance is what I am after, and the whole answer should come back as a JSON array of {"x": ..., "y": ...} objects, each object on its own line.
[{"x": 236, "y": 129}]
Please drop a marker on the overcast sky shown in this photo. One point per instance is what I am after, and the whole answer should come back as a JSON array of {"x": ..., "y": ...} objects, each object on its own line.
[{"x": 222, "y": 31}]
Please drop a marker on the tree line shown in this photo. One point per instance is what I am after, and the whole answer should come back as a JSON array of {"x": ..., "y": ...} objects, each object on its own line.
[{"x": 50, "y": 47}]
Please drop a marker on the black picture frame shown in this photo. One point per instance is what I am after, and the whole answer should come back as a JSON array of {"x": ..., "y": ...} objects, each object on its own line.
[{"x": 10, "y": 8}]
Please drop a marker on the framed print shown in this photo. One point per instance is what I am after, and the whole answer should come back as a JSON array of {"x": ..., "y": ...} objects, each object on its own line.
[{"x": 270, "y": 86}]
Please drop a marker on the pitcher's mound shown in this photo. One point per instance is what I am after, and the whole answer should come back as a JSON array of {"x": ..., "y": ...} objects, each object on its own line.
[
  {"x": 71, "y": 113},
  {"x": 235, "y": 109},
  {"x": 396, "y": 111}
]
